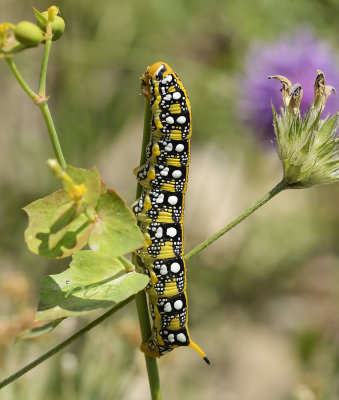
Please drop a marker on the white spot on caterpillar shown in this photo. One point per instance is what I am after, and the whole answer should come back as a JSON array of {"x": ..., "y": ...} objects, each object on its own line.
[
  {"x": 181, "y": 119},
  {"x": 181, "y": 337},
  {"x": 160, "y": 198},
  {"x": 176, "y": 95},
  {"x": 176, "y": 174},
  {"x": 178, "y": 304},
  {"x": 164, "y": 172},
  {"x": 170, "y": 120},
  {"x": 171, "y": 232},
  {"x": 168, "y": 97},
  {"x": 171, "y": 337},
  {"x": 169, "y": 147},
  {"x": 173, "y": 200},
  {"x": 175, "y": 267},
  {"x": 167, "y": 79},
  {"x": 168, "y": 307},
  {"x": 163, "y": 270},
  {"x": 158, "y": 233},
  {"x": 179, "y": 147}
]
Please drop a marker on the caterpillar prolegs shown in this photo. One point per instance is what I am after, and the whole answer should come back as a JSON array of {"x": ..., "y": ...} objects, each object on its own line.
[{"x": 160, "y": 209}]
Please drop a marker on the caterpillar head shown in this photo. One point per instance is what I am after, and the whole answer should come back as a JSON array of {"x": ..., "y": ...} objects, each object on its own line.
[{"x": 155, "y": 72}]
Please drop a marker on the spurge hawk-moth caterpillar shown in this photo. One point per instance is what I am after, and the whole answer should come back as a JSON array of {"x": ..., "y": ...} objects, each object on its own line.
[{"x": 160, "y": 209}]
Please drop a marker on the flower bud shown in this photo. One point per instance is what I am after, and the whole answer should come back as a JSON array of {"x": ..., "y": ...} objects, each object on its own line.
[
  {"x": 55, "y": 167},
  {"x": 28, "y": 33},
  {"x": 58, "y": 25}
]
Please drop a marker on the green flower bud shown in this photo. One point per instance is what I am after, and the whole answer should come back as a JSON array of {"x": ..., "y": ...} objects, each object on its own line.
[
  {"x": 58, "y": 25},
  {"x": 307, "y": 146},
  {"x": 28, "y": 33}
]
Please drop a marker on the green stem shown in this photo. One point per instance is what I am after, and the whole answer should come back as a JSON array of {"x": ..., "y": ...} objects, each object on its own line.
[
  {"x": 20, "y": 79},
  {"x": 43, "y": 106},
  {"x": 63, "y": 344},
  {"x": 43, "y": 71},
  {"x": 140, "y": 298},
  {"x": 130, "y": 267},
  {"x": 52, "y": 134},
  {"x": 277, "y": 189}
]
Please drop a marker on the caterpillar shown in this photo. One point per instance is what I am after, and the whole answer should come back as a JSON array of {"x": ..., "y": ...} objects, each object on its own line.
[{"x": 160, "y": 210}]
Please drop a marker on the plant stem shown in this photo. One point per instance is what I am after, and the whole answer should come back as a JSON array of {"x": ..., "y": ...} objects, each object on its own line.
[
  {"x": 277, "y": 189},
  {"x": 63, "y": 344},
  {"x": 43, "y": 106},
  {"x": 140, "y": 298},
  {"x": 20, "y": 79},
  {"x": 52, "y": 134},
  {"x": 43, "y": 71}
]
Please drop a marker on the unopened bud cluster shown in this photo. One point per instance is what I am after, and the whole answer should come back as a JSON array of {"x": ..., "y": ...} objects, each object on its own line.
[
  {"x": 27, "y": 34},
  {"x": 307, "y": 145}
]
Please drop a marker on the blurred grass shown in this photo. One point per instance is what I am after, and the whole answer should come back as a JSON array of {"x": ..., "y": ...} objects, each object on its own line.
[{"x": 263, "y": 300}]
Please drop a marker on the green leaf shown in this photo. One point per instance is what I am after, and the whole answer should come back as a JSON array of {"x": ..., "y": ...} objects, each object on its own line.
[
  {"x": 91, "y": 283},
  {"x": 116, "y": 231},
  {"x": 89, "y": 177},
  {"x": 40, "y": 17},
  {"x": 56, "y": 227},
  {"x": 38, "y": 331}
]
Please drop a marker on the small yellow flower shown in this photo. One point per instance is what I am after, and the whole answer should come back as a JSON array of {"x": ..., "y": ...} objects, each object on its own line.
[
  {"x": 52, "y": 13},
  {"x": 75, "y": 191},
  {"x": 6, "y": 33}
]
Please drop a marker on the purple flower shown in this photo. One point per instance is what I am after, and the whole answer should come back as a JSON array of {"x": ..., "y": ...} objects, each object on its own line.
[{"x": 297, "y": 57}]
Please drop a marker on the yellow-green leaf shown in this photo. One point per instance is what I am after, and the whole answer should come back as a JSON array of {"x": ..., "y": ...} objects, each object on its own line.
[
  {"x": 56, "y": 228},
  {"x": 91, "y": 283},
  {"x": 116, "y": 231}
]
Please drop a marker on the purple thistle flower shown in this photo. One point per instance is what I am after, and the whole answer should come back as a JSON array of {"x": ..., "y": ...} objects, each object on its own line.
[{"x": 297, "y": 57}]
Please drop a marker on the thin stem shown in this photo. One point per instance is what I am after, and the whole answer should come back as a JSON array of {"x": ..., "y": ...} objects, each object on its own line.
[
  {"x": 52, "y": 134},
  {"x": 127, "y": 264},
  {"x": 277, "y": 189},
  {"x": 43, "y": 106},
  {"x": 20, "y": 79},
  {"x": 43, "y": 71},
  {"x": 140, "y": 298},
  {"x": 63, "y": 344}
]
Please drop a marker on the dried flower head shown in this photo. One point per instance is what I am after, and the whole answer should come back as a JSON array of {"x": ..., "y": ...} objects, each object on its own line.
[{"x": 306, "y": 144}]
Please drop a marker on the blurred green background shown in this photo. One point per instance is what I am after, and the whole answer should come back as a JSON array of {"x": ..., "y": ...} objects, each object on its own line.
[{"x": 264, "y": 299}]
